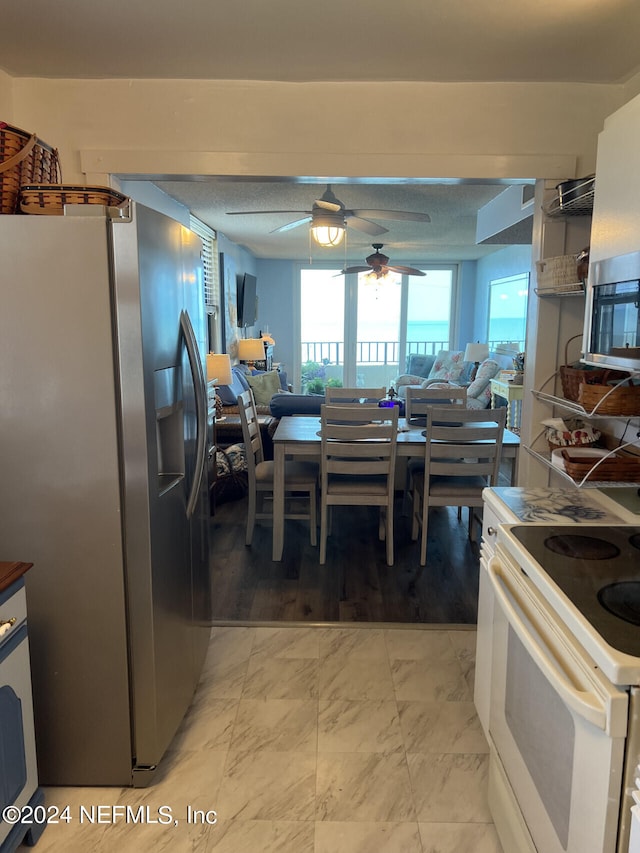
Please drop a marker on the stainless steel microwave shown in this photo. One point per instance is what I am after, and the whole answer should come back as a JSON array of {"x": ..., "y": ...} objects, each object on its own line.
[{"x": 612, "y": 313}]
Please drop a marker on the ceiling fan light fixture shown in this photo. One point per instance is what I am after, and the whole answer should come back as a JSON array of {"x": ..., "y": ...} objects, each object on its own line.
[{"x": 328, "y": 229}]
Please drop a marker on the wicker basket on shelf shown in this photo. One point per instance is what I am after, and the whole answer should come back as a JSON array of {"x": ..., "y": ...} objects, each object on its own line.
[
  {"x": 51, "y": 198},
  {"x": 622, "y": 400},
  {"x": 559, "y": 272},
  {"x": 24, "y": 159},
  {"x": 572, "y": 378},
  {"x": 620, "y": 467}
]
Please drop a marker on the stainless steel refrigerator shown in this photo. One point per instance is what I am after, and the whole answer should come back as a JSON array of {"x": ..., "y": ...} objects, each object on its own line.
[{"x": 103, "y": 445}]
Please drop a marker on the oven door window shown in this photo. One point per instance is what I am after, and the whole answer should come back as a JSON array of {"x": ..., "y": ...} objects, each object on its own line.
[{"x": 552, "y": 718}]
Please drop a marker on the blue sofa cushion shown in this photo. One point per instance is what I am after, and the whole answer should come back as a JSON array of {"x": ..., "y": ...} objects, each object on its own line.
[
  {"x": 282, "y": 405},
  {"x": 229, "y": 393}
]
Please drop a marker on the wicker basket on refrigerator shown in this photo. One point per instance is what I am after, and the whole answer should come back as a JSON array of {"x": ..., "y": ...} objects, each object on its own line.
[
  {"x": 50, "y": 199},
  {"x": 24, "y": 159}
]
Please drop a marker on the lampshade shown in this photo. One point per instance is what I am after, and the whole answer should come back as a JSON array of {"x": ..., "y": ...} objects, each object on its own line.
[
  {"x": 219, "y": 368},
  {"x": 476, "y": 352},
  {"x": 328, "y": 228},
  {"x": 251, "y": 349}
]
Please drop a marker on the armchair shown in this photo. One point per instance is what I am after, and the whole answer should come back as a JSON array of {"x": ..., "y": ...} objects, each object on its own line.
[{"x": 449, "y": 369}]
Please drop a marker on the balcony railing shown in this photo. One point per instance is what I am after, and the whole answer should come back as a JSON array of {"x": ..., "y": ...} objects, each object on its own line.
[{"x": 372, "y": 352}]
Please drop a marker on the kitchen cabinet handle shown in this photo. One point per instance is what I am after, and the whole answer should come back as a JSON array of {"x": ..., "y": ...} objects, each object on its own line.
[
  {"x": 491, "y": 531},
  {"x": 6, "y": 625},
  {"x": 586, "y": 705}
]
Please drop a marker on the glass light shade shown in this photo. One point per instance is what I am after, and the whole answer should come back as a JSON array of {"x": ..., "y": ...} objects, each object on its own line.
[
  {"x": 328, "y": 227},
  {"x": 251, "y": 349},
  {"x": 219, "y": 368},
  {"x": 328, "y": 235},
  {"x": 476, "y": 352}
]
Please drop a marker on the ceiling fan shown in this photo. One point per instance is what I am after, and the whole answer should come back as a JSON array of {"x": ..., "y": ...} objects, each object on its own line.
[
  {"x": 378, "y": 265},
  {"x": 330, "y": 211}
]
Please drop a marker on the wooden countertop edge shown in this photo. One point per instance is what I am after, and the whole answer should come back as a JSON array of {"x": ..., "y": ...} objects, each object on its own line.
[{"x": 11, "y": 572}]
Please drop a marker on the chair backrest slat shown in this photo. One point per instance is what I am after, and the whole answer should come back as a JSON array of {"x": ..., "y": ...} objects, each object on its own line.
[
  {"x": 251, "y": 434},
  {"x": 419, "y": 400},
  {"x": 353, "y": 396},
  {"x": 464, "y": 442},
  {"x": 353, "y": 445}
]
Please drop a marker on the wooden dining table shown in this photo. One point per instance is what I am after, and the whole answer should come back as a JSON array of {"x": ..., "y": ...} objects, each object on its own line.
[{"x": 299, "y": 435}]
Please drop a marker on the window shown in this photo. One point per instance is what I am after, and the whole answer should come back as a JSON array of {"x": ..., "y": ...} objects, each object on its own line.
[
  {"x": 508, "y": 311},
  {"x": 357, "y": 330},
  {"x": 211, "y": 280}
]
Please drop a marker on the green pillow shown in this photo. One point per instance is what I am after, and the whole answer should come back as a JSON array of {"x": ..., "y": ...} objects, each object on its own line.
[{"x": 264, "y": 386}]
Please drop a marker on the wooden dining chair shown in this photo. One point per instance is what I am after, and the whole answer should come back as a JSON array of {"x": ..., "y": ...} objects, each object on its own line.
[
  {"x": 357, "y": 465},
  {"x": 300, "y": 478},
  {"x": 417, "y": 402},
  {"x": 462, "y": 457},
  {"x": 353, "y": 396}
]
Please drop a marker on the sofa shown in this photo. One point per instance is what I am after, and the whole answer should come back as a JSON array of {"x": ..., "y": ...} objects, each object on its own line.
[{"x": 448, "y": 367}]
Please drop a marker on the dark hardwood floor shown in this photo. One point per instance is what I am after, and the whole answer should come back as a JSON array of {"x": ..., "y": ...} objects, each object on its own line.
[{"x": 249, "y": 587}]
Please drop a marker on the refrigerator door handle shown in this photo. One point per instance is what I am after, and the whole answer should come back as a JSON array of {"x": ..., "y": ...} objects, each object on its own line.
[{"x": 201, "y": 409}]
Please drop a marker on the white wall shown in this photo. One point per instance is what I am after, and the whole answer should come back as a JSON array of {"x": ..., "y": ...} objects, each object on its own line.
[
  {"x": 256, "y": 128},
  {"x": 6, "y": 98}
]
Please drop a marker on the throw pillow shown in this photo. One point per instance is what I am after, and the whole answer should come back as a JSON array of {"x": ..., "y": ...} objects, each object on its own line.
[
  {"x": 487, "y": 370},
  {"x": 264, "y": 386},
  {"x": 448, "y": 365},
  {"x": 229, "y": 393},
  {"x": 420, "y": 365}
]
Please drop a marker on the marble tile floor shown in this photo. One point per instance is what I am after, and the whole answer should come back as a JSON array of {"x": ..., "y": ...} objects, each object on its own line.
[{"x": 313, "y": 739}]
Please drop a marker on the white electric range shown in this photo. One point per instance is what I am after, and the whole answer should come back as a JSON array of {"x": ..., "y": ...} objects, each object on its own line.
[{"x": 564, "y": 717}]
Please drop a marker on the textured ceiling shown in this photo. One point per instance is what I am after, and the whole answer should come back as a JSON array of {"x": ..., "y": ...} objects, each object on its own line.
[{"x": 450, "y": 235}]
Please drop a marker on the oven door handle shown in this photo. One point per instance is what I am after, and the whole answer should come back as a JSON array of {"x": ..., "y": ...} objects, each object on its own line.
[{"x": 587, "y": 705}]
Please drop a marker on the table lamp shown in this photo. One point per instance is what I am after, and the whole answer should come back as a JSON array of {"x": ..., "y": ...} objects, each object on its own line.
[
  {"x": 219, "y": 372},
  {"x": 476, "y": 353},
  {"x": 219, "y": 368},
  {"x": 251, "y": 350}
]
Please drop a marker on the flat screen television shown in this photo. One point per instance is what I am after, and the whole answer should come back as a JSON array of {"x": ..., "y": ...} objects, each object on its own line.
[{"x": 247, "y": 301}]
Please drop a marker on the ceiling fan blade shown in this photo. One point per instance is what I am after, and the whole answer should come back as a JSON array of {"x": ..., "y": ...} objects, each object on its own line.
[
  {"x": 406, "y": 270},
  {"x": 371, "y": 228},
  {"x": 350, "y": 270},
  {"x": 290, "y": 225},
  {"x": 405, "y": 215},
  {"x": 327, "y": 205},
  {"x": 271, "y": 212}
]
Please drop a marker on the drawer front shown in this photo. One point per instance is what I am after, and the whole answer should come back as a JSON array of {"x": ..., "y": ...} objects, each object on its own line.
[{"x": 490, "y": 522}]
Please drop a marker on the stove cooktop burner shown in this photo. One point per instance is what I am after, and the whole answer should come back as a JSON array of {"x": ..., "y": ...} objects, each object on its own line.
[
  {"x": 582, "y": 547},
  {"x": 623, "y": 600},
  {"x": 597, "y": 569}
]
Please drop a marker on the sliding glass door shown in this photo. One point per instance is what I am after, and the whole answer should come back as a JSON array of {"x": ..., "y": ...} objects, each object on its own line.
[
  {"x": 358, "y": 330},
  {"x": 378, "y": 313},
  {"x": 322, "y": 333}
]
